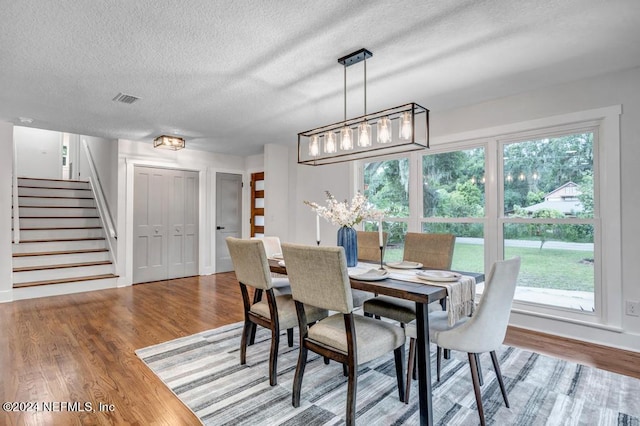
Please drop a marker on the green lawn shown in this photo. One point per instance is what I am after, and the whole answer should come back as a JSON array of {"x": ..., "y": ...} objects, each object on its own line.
[{"x": 546, "y": 268}]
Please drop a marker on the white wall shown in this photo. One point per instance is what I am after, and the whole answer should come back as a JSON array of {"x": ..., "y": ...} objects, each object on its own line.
[
  {"x": 39, "y": 153},
  {"x": 105, "y": 158},
  {"x": 276, "y": 184},
  {"x": 6, "y": 167},
  {"x": 133, "y": 153},
  {"x": 621, "y": 88}
]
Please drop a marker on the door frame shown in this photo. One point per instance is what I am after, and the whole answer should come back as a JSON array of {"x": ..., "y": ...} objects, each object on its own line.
[{"x": 206, "y": 212}]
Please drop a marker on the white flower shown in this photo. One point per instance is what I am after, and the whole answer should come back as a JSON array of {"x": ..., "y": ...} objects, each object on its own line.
[{"x": 343, "y": 214}]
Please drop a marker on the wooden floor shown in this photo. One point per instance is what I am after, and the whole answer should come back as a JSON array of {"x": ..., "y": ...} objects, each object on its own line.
[{"x": 80, "y": 348}]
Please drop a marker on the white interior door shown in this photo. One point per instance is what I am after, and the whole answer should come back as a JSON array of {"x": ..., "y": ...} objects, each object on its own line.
[
  {"x": 165, "y": 224},
  {"x": 149, "y": 225},
  {"x": 228, "y": 216}
]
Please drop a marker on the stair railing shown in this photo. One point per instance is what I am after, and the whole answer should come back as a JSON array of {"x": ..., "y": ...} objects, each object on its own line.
[
  {"x": 16, "y": 198},
  {"x": 103, "y": 208}
]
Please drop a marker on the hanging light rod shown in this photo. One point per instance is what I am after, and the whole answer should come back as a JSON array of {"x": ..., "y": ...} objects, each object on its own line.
[{"x": 334, "y": 143}]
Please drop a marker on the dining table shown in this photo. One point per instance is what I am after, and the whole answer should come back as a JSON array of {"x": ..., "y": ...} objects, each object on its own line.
[{"x": 420, "y": 293}]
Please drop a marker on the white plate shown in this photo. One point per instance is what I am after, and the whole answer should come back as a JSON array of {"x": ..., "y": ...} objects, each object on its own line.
[
  {"x": 443, "y": 276},
  {"x": 405, "y": 264},
  {"x": 371, "y": 275},
  {"x": 277, "y": 256},
  {"x": 281, "y": 262}
]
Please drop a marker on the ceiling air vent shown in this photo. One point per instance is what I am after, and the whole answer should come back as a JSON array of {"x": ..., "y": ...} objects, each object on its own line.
[{"x": 125, "y": 99}]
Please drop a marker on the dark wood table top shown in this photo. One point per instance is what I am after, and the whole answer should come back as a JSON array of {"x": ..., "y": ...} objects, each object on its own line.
[{"x": 416, "y": 292}]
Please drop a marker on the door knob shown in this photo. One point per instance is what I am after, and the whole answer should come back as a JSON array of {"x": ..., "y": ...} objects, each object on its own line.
[{"x": 219, "y": 227}]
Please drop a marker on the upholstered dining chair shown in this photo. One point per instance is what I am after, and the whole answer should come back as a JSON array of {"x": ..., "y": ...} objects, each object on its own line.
[
  {"x": 369, "y": 245},
  {"x": 319, "y": 277},
  {"x": 480, "y": 333},
  {"x": 434, "y": 251},
  {"x": 272, "y": 248},
  {"x": 277, "y": 312}
]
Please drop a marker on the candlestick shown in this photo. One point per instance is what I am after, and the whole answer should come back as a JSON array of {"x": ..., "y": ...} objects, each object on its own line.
[
  {"x": 380, "y": 239},
  {"x": 381, "y": 256},
  {"x": 318, "y": 229}
]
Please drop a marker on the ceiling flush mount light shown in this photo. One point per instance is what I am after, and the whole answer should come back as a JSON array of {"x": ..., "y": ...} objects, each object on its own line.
[
  {"x": 400, "y": 129},
  {"x": 168, "y": 142}
]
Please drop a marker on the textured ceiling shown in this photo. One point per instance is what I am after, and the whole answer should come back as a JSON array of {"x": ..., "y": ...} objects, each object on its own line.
[{"x": 231, "y": 76}]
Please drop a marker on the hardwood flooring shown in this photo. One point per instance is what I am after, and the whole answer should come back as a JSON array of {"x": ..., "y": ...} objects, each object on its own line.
[{"x": 80, "y": 348}]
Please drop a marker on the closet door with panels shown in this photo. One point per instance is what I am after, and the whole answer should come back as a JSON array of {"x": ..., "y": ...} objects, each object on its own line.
[{"x": 165, "y": 224}]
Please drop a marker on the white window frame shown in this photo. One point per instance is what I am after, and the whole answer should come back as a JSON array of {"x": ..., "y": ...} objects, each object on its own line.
[{"x": 606, "y": 124}]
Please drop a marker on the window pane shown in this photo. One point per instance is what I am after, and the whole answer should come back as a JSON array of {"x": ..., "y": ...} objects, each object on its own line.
[
  {"x": 395, "y": 241},
  {"x": 453, "y": 184},
  {"x": 550, "y": 177},
  {"x": 557, "y": 263},
  {"x": 386, "y": 185},
  {"x": 468, "y": 252}
]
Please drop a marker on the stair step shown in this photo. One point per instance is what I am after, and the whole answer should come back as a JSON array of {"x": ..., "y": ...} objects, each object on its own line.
[
  {"x": 64, "y": 280},
  {"x": 23, "y": 260},
  {"x": 58, "y": 222},
  {"x": 57, "y": 233},
  {"x": 52, "y": 183},
  {"x": 55, "y": 253},
  {"x": 62, "y": 271},
  {"x": 59, "y": 245},
  {"x": 58, "y": 211},
  {"x": 31, "y": 191},
  {"x": 60, "y": 266},
  {"x": 44, "y": 202}
]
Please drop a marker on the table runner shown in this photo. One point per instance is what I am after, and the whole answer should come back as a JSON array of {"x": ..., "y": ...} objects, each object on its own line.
[{"x": 460, "y": 294}]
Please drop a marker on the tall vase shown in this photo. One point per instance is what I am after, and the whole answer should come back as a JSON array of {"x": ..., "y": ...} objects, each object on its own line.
[{"x": 348, "y": 239}]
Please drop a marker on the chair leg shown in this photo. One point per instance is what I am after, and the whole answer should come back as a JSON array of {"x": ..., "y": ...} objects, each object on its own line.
[
  {"x": 496, "y": 367},
  {"x": 326, "y": 361},
  {"x": 480, "y": 378},
  {"x": 352, "y": 389},
  {"x": 398, "y": 355},
  {"x": 438, "y": 362},
  {"x": 447, "y": 354},
  {"x": 345, "y": 370},
  {"x": 476, "y": 386},
  {"x": 246, "y": 330},
  {"x": 367, "y": 314},
  {"x": 252, "y": 335},
  {"x": 290, "y": 337},
  {"x": 273, "y": 357},
  {"x": 410, "y": 368},
  {"x": 297, "y": 379}
]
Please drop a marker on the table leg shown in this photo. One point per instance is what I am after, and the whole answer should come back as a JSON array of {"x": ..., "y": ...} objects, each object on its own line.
[{"x": 424, "y": 364}]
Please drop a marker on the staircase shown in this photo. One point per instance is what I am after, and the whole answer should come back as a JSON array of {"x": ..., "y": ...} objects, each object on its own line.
[{"x": 62, "y": 246}]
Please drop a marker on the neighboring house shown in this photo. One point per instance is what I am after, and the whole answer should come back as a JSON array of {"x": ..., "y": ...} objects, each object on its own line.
[{"x": 563, "y": 199}]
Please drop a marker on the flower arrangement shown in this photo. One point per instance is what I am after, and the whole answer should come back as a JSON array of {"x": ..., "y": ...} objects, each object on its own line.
[{"x": 345, "y": 214}]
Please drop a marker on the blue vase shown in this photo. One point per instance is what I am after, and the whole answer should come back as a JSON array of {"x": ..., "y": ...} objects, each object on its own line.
[{"x": 348, "y": 239}]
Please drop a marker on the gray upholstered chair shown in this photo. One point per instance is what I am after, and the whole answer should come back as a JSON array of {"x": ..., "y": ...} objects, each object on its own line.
[
  {"x": 276, "y": 313},
  {"x": 434, "y": 251},
  {"x": 319, "y": 277},
  {"x": 482, "y": 332}
]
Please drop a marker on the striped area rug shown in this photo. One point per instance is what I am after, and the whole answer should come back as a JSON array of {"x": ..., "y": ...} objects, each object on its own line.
[{"x": 204, "y": 372}]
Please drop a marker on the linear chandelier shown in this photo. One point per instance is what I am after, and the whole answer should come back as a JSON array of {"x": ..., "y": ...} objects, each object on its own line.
[
  {"x": 400, "y": 129},
  {"x": 169, "y": 142}
]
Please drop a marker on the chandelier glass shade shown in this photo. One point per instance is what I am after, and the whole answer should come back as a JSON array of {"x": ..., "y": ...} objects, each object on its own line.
[{"x": 394, "y": 130}]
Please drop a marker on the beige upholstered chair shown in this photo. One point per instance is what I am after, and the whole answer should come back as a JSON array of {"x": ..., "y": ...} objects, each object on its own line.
[
  {"x": 484, "y": 331},
  {"x": 272, "y": 248},
  {"x": 434, "y": 251},
  {"x": 369, "y": 245},
  {"x": 319, "y": 277},
  {"x": 276, "y": 313}
]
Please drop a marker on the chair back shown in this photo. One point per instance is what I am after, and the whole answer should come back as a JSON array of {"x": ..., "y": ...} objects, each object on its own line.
[
  {"x": 271, "y": 245},
  {"x": 488, "y": 326},
  {"x": 434, "y": 251},
  {"x": 318, "y": 276},
  {"x": 250, "y": 262},
  {"x": 369, "y": 245}
]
